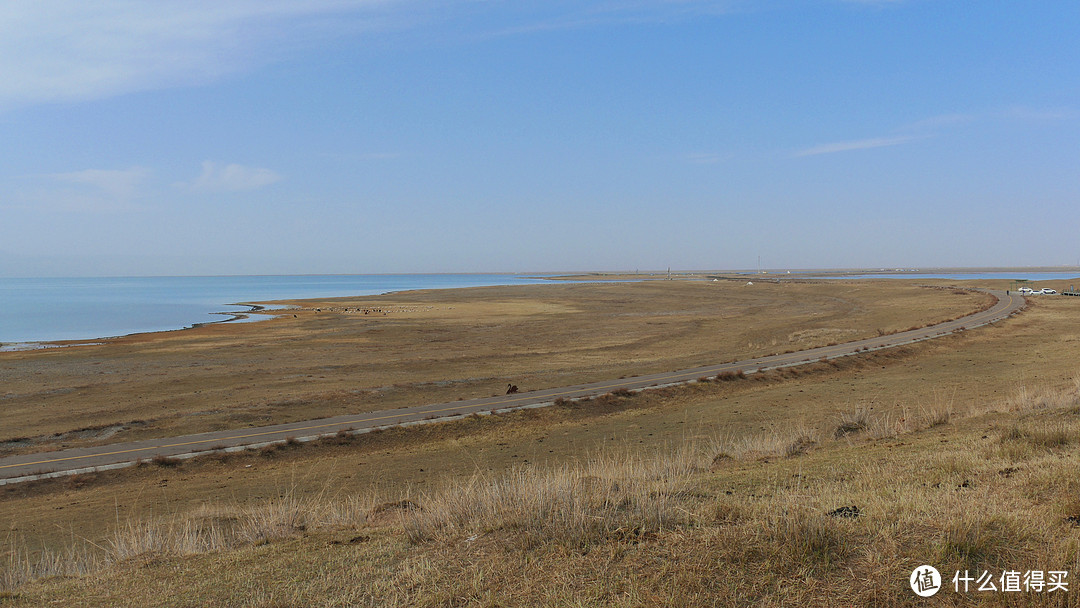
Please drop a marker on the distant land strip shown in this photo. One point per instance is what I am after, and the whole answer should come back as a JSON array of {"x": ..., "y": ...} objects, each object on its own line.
[{"x": 29, "y": 467}]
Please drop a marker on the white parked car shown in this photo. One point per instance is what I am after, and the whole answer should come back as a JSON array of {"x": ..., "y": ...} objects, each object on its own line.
[
  {"x": 1025, "y": 291},
  {"x": 1048, "y": 291}
]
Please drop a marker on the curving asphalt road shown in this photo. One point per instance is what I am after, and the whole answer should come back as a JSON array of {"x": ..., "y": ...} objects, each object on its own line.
[{"x": 28, "y": 467}]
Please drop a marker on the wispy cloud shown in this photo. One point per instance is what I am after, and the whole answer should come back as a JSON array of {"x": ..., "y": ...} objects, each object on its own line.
[
  {"x": 88, "y": 191},
  {"x": 860, "y": 144},
  {"x": 74, "y": 50},
  {"x": 71, "y": 50},
  {"x": 121, "y": 184},
  {"x": 230, "y": 178}
]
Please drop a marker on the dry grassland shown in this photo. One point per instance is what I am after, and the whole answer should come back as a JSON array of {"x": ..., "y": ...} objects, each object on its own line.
[
  {"x": 355, "y": 355},
  {"x": 801, "y": 517},
  {"x": 960, "y": 452}
]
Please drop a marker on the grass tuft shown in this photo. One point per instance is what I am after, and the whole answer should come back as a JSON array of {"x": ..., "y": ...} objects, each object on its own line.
[
  {"x": 572, "y": 506},
  {"x": 165, "y": 462},
  {"x": 1046, "y": 436},
  {"x": 977, "y": 542},
  {"x": 852, "y": 422}
]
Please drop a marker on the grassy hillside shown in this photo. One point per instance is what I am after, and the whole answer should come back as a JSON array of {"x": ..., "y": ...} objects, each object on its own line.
[
  {"x": 823, "y": 486},
  {"x": 809, "y": 517}
]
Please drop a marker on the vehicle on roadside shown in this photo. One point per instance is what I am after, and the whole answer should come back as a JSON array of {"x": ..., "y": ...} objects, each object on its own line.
[
  {"x": 1025, "y": 291},
  {"x": 1048, "y": 291}
]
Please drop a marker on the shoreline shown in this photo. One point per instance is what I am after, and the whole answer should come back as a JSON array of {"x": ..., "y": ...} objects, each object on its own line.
[
  {"x": 263, "y": 291},
  {"x": 28, "y": 467},
  {"x": 811, "y": 273},
  {"x": 261, "y": 310},
  {"x": 234, "y": 317},
  {"x": 332, "y": 358}
]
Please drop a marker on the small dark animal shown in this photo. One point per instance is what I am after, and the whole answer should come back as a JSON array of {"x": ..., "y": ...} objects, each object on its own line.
[{"x": 511, "y": 389}]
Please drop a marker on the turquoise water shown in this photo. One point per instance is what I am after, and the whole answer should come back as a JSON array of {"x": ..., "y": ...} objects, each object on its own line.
[
  {"x": 42, "y": 310},
  {"x": 38, "y": 310}
]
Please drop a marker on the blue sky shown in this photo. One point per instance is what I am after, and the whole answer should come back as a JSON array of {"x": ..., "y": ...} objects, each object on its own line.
[{"x": 371, "y": 136}]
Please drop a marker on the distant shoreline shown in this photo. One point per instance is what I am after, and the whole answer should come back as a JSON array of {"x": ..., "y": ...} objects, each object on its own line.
[
  {"x": 260, "y": 304},
  {"x": 77, "y": 310},
  {"x": 828, "y": 271},
  {"x": 1004, "y": 273}
]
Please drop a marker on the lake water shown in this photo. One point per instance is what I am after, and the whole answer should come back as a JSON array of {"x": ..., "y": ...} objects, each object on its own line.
[
  {"x": 36, "y": 310},
  {"x": 41, "y": 310}
]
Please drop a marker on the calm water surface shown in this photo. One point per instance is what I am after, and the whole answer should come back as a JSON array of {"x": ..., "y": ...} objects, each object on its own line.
[{"x": 33, "y": 310}]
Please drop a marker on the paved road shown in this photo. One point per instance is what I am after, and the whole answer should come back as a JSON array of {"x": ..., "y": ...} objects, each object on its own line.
[{"x": 50, "y": 464}]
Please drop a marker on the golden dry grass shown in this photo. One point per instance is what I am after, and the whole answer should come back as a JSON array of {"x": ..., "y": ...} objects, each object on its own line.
[
  {"x": 987, "y": 365},
  {"x": 841, "y": 523},
  {"x": 994, "y": 409},
  {"x": 429, "y": 347}
]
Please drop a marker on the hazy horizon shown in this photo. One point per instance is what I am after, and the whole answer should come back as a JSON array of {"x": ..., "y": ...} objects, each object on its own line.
[{"x": 1062, "y": 270}]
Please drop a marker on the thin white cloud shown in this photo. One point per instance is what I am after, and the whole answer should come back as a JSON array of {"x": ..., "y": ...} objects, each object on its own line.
[
  {"x": 117, "y": 183},
  {"x": 861, "y": 144},
  {"x": 231, "y": 178},
  {"x": 72, "y": 50},
  {"x": 1012, "y": 113},
  {"x": 88, "y": 191}
]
